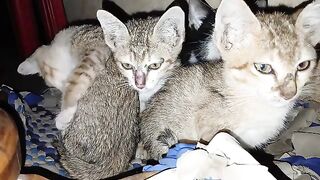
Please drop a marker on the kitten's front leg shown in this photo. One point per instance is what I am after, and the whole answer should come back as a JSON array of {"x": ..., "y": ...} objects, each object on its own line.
[
  {"x": 157, "y": 141},
  {"x": 78, "y": 83},
  {"x": 64, "y": 117}
]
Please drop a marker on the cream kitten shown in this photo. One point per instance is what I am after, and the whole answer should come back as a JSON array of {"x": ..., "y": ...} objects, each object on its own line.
[
  {"x": 267, "y": 60},
  {"x": 69, "y": 64},
  {"x": 53, "y": 62}
]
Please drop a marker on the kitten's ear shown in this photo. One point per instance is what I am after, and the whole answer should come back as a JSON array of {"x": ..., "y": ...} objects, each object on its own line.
[
  {"x": 115, "y": 32},
  {"x": 170, "y": 29},
  {"x": 198, "y": 11},
  {"x": 235, "y": 27},
  {"x": 308, "y": 23},
  {"x": 29, "y": 66}
]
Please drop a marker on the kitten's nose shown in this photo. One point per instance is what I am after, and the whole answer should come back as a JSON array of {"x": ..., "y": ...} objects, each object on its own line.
[
  {"x": 140, "y": 79},
  {"x": 289, "y": 88}
]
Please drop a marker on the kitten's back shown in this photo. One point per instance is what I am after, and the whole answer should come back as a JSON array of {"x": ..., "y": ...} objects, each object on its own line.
[{"x": 106, "y": 114}]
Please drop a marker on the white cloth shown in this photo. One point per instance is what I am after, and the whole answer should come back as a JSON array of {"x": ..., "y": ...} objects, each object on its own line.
[{"x": 223, "y": 158}]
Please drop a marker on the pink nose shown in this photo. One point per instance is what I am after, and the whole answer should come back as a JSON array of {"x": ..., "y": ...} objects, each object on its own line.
[{"x": 140, "y": 79}]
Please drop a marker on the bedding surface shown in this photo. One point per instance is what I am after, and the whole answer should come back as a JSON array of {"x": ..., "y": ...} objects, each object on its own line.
[{"x": 296, "y": 150}]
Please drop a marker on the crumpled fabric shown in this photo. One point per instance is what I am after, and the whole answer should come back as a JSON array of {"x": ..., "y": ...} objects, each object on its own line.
[
  {"x": 170, "y": 160},
  {"x": 297, "y": 150},
  {"x": 223, "y": 158}
]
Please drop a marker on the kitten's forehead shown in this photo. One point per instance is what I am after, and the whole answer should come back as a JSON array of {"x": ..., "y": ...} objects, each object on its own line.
[
  {"x": 280, "y": 35},
  {"x": 140, "y": 31}
]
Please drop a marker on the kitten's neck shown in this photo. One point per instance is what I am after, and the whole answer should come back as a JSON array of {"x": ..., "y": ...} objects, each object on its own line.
[{"x": 146, "y": 95}]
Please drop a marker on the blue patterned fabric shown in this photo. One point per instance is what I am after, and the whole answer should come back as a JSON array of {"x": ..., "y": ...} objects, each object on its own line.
[
  {"x": 311, "y": 163},
  {"x": 40, "y": 128},
  {"x": 170, "y": 159}
]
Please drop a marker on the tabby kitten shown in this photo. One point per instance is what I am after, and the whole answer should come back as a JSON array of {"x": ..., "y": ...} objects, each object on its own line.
[
  {"x": 145, "y": 50},
  {"x": 267, "y": 60},
  {"x": 101, "y": 139}
]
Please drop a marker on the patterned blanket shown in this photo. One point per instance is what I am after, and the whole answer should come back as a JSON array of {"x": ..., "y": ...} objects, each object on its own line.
[{"x": 297, "y": 150}]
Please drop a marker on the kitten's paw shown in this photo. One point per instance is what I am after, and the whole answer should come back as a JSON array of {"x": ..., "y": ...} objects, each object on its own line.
[
  {"x": 141, "y": 153},
  {"x": 161, "y": 145},
  {"x": 167, "y": 137},
  {"x": 64, "y": 118},
  {"x": 157, "y": 153}
]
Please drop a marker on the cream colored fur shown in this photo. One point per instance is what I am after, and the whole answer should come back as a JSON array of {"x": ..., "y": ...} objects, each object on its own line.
[
  {"x": 201, "y": 100},
  {"x": 54, "y": 62}
]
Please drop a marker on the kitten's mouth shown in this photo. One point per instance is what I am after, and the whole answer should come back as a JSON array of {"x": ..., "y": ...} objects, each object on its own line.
[{"x": 140, "y": 86}]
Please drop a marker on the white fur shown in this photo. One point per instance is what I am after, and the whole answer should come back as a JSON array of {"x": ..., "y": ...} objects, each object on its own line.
[
  {"x": 64, "y": 117},
  {"x": 57, "y": 55},
  {"x": 196, "y": 13},
  {"x": 234, "y": 25},
  {"x": 146, "y": 95},
  {"x": 237, "y": 33},
  {"x": 192, "y": 59},
  {"x": 213, "y": 53},
  {"x": 308, "y": 22},
  {"x": 29, "y": 66}
]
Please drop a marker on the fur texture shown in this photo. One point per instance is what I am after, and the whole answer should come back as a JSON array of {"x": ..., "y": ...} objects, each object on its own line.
[
  {"x": 69, "y": 64},
  {"x": 146, "y": 50},
  {"x": 267, "y": 60},
  {"x": 102, "y": 137},
  {"x": 152, "y": 41},
  {"x": 109, "y": 97}
]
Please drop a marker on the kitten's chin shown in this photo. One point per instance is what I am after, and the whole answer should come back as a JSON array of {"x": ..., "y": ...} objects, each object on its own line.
[{"x": 282, "y": 102}]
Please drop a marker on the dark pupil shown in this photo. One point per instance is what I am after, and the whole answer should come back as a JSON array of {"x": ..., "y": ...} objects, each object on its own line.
[
  {"x": 302, "y": 65},
  {"x": 262, "y": 66}
]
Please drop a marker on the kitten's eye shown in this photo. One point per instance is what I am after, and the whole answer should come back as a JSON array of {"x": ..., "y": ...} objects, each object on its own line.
[
  {"x": 303, "y": 66},
  {"x": 154, "y": 66},
  {"x": 127, "y": 66},
  {"x": 263, "y": 68}
]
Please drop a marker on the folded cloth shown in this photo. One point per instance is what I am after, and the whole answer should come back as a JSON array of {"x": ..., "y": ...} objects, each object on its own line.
[{"x": 223, "y": 158}]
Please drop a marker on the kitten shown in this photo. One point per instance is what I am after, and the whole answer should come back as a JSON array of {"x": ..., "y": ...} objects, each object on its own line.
[
  {"x": 54, "y": 62},
  {"x": 68, "y": 65},
  {"x": 102, "y": 137},
  {"x": 146, "y": 50},
  {"x": 144, "y": 61},
  {"x": 199, "y": 45},
  {"x": 267, "y": 60}
]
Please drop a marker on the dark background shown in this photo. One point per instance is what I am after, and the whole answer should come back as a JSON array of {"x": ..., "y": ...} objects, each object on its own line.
[{"x": 9, "y": 58}]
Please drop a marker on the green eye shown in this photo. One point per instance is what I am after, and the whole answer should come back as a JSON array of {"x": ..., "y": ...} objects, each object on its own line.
[
  {"x": 303, "y": 66},
  {"x": 127, "y": 66},
  {"x": 263, "y": 68},
  {"x": 156, "y": 66}
]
